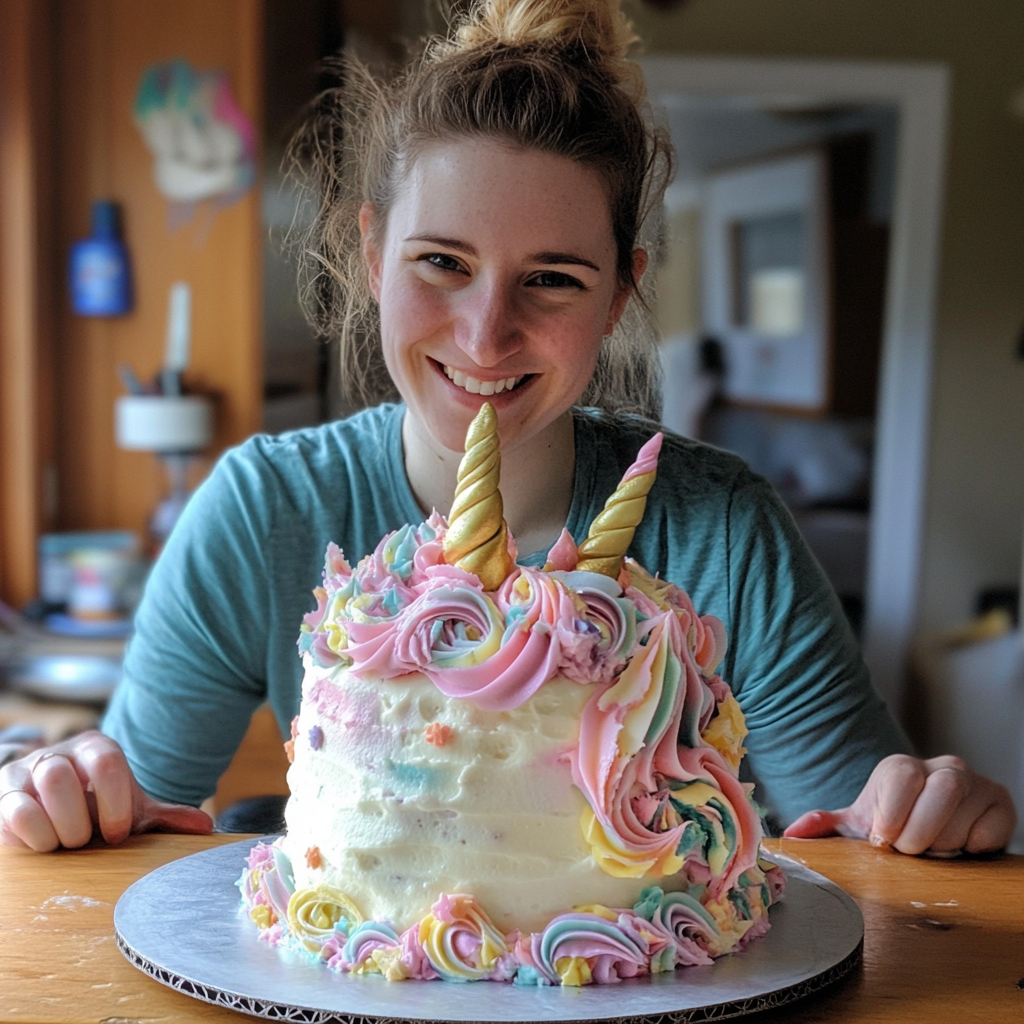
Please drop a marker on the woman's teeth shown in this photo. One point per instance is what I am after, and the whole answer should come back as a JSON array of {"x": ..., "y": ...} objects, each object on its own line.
[{"x": 480, "y": 387}]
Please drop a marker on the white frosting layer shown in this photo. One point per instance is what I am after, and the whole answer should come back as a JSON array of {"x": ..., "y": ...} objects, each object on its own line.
[{"x": 398, "y": 821}]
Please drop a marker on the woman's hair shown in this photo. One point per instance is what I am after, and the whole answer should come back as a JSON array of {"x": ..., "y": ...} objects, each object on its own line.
[{"x": 550, "y": 75}]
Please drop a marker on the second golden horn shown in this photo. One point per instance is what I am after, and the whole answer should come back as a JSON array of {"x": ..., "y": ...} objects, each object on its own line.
[
  {"x": 612, "y": 531},
  {"x": 477, "y": 537}
]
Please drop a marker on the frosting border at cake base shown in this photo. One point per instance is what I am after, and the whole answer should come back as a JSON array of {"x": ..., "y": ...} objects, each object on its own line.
[
  {"x": 457, "y": 941},
  {"x": 537, "y": 783}
]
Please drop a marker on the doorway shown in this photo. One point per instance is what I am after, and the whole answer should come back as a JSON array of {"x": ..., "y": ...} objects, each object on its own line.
[{"x": 912, "y": 99}]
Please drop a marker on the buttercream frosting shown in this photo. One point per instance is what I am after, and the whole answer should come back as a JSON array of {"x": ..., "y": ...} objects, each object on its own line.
[{"x": 534, "y": 779}]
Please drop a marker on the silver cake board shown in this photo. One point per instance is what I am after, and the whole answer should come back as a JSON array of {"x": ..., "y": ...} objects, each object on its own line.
[{"x": 183, "y": 925}]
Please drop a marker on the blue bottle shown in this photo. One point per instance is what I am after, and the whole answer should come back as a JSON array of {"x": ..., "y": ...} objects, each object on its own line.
[{"x": 99, "y": 273}]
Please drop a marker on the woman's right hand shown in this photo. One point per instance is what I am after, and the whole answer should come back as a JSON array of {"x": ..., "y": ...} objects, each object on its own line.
[{"x": 62, "y": 795}]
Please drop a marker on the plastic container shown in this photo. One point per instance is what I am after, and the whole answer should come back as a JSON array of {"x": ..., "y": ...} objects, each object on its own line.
[
  {"x": 163, "y": 423},
  {"x": 99, "y": 271}
]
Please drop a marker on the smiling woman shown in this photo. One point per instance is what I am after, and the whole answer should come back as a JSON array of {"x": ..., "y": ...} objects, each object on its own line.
[
  {"x": 495, "y": 275},
  {"x": 479, "y": 232},
  {"x": 493, "y": 266},
  {"x": 545, "y": 77}
]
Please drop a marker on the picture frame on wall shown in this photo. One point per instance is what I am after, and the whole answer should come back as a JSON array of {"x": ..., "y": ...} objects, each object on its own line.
[{"x": 767, "y": 281}]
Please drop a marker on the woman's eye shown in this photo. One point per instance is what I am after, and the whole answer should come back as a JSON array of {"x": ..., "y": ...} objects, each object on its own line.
[
  {"x": 554, "y": 279},
  {"x": 442, "y": 261}
]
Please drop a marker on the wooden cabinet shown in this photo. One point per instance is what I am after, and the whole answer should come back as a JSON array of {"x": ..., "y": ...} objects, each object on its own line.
[{"x": 61, "y": 468}]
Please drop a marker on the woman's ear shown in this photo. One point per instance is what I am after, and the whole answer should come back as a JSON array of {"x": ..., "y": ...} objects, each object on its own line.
[
  {"x": 371, "y": 253},
  {"x": 622, "y": 292}
]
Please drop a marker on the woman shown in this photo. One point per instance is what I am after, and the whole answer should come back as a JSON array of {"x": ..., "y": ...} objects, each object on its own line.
[{"x": 495, "y": 225}]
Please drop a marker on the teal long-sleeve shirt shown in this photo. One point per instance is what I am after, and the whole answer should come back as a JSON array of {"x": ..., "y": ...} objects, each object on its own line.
[{"x": 216, "y": 632}]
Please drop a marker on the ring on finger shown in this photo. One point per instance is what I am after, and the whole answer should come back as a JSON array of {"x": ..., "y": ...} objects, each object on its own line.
[{"x": 48, "y": 756}]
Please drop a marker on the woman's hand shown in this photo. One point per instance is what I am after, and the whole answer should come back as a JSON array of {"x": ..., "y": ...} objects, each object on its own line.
[
  {"x": 939, "y": 807},
  {"x": 60, "y": 795}
]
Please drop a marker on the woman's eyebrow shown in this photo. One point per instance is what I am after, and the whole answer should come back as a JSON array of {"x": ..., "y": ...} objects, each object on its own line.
[
  {"x": 547, "y": 258},
  {"x": 553, "y": 258},
  {"x": 448, "y": 243}
]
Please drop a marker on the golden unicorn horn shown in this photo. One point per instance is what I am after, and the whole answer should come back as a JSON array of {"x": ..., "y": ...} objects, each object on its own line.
[
  {"x": 477, "y": 537},
  {"x": 612, "y": 531}
]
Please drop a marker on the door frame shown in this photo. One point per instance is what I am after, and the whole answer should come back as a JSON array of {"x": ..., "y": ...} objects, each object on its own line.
[{"x": 920, "y": 92}]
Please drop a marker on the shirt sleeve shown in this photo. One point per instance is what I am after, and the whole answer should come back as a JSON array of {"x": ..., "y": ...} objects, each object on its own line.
[
  {"x": 195, "y": 669},
  {"x": 817, "y": 726}
]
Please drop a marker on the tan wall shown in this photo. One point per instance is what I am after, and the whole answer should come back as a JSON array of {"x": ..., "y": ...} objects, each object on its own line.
[
  {"x": 26, "y": 290},
  {"x": 103, "y": 47},
  {"x": 975, "y": 495}
]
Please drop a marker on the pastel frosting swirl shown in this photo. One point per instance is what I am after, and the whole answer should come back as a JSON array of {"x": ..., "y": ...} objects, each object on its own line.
[
  {"x": 457, "y": 940},
  {"x": 661, "y": 738},
  {"x": 583, "y": 947},
  {"x": 314, "y": 914},
  {"x": 656, "y": 758},
  {"x": 460, "y": 940}
]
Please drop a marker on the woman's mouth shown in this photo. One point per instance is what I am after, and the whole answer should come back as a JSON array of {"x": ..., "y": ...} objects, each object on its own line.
[{"x": 481, "y": 387}]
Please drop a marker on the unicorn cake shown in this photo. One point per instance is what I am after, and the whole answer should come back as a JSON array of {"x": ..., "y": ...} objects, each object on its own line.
[{"x": 507, "y": 773}]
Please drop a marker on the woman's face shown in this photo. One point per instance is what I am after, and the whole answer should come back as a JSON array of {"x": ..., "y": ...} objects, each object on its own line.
[{"x": 496, "y": 279}]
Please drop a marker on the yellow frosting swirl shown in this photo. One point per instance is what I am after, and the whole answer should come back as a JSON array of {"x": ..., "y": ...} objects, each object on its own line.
[
  {"x": 615, "y": 858},
  {"x": 726, "y": 732},
  {"x": 573, "y": 970},
  {"x": 437, "y": 939},
  {"x": 387, "y": 962},
  {"x": 477, "y": 537},
  {"x": 313, "y": 913},
  {"x": 262, "y": 915}
]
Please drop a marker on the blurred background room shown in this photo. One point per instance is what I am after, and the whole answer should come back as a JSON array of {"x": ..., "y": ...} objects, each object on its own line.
[{"x": 840, "y": 289}]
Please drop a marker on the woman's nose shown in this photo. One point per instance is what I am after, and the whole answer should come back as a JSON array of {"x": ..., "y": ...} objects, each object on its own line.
[{"x": 488, "y": 326}]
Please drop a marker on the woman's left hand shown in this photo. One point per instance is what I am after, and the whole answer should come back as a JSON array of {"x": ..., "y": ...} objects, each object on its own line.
[{"x": 939, "y": 807}]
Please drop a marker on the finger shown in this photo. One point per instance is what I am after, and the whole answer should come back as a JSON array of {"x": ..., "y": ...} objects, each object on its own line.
[
  {"x": 817, "y": 825},
  {"x": 61, "y": 795},
  {"x": 110, "y": 782},
  {"x": 944, "y": 791},
  {"x": 16, "y": 775},
  {"x": 993, "y": 828},
  {"x": 900, "y": 781},
  {"x": 8, "y": 837},
  {"x": 26, "y": 821},
  {"x": 954, "y": 834},
  {"x": 173, "y": 818}
]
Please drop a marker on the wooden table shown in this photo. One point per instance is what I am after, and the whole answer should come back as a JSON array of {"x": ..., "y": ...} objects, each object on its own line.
[{"x": 944, "y": 939}]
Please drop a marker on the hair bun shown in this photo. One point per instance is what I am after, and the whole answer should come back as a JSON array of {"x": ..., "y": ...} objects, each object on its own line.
[{"x": 598, "y": 26}]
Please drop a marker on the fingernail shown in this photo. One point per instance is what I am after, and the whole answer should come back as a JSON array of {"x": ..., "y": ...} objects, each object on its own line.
[{"x": 876, "y": 840}]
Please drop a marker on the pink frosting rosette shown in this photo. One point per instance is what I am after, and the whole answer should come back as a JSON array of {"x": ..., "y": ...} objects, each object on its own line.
[
  {"x": 704, "y": 635},
  {"x": 688, "y": 928},
  {"x": 723, "y": 824},
  {"x": 460, "y": 940},
  {"x": 655, "y": 803},
  {"x": 610, "y": 945},
  {"x": 618, "y": 722},
  {"x": 356, "y": 949},
  {"x": 316, "y": 635},
  {"x": 313, "y": 636},
  {"x": 446, "y": 625},
  {"x": 267, "y": 880},
  {"x": 775, "y": 879},
  {"x": 597, "y": 642},
  {"x": 497, "y": 661},
  {"x": 697, "y": 700},
  {"x": 358, "y": 611},
  {"x": 414, "y": 957}
]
